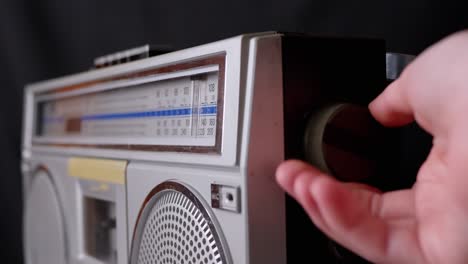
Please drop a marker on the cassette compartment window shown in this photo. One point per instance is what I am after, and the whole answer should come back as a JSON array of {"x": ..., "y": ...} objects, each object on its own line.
[{"x": 100, "y": 228}]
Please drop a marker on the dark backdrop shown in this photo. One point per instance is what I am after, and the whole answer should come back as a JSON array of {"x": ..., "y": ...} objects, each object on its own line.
[{"x": 49, "y": 38}]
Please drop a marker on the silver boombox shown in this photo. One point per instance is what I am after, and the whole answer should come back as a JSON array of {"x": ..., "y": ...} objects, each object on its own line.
[{"x": 171, "y": 158}]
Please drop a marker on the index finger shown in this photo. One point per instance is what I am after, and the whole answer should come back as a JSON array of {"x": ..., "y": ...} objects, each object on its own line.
[{"x": 391, "y": 107}]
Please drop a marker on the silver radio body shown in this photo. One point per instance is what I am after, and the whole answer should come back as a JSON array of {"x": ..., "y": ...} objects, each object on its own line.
[{"x": 171, "y": 159}]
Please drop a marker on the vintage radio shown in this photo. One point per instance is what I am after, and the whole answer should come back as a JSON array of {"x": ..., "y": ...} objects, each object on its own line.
[{"x": 171, "y": 158}]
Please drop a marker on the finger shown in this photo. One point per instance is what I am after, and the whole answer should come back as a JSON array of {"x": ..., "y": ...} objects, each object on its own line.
[
  {"x": 393, "y": 205},
  {"x": 396, "y": 205},
  {"x": 362, "y": 186},
  {"x": 295, "y": 177},
  {"x": 391, "y": 107},
  {"x": 359, "y": 219},
  {"x": 357, "y": 216},
  {"x": 288, "y": 172}
]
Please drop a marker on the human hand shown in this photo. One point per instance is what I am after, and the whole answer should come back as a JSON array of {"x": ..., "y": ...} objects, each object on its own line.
[{"x": 424, "y": 224}]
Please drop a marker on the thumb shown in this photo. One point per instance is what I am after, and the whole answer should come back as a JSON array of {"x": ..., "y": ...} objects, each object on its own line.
[{"x": 391, "y": 108}]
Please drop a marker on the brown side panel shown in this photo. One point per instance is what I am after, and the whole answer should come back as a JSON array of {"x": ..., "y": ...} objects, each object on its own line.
[{"x": 316, "y": 71}]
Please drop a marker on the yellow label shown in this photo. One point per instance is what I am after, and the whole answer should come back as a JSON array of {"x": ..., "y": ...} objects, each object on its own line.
[{"x": 101, "y": 170}]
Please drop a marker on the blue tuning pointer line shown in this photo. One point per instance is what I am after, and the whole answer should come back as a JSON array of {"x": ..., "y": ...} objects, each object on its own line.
[
  {"x": 207, "y": 110},
  {"x": 144, "y": 114}
]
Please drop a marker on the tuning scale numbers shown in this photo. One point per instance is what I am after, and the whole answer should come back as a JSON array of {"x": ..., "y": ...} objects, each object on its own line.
[
  {"x": 208, "y": 110},
  {"x": 189, "y": 109}
]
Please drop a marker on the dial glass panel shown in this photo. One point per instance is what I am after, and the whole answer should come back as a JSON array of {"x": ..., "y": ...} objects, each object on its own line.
[{"x": 177, "y": 108}]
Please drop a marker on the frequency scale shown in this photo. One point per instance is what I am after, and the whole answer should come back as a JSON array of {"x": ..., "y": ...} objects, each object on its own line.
[{"x": 178, "y": 109}]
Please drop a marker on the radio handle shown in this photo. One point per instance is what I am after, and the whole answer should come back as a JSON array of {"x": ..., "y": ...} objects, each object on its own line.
[{"x": 129, "y": 55}]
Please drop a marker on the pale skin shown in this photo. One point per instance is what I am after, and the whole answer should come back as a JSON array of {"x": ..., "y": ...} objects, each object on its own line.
[{"x": 429, "y": 222}]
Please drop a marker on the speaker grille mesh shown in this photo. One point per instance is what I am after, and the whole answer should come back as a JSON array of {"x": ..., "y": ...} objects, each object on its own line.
[{"x": 176, "y": 231}]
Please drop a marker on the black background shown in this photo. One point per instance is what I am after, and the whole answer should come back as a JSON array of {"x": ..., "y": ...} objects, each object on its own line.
[{"x": 49, "y": 38}]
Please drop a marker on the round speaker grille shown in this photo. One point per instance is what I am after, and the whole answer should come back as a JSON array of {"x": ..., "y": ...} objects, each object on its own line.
[
  {"x": 44, "y": 224},
  {"x": 176, "y": 228}
]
